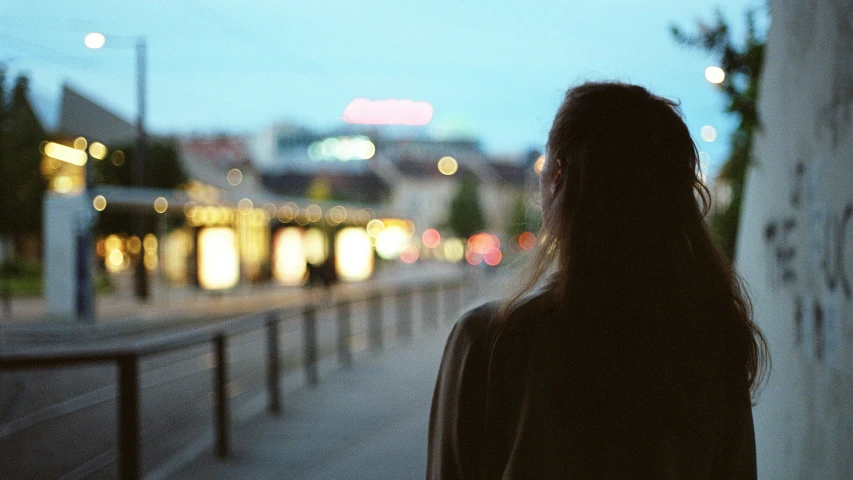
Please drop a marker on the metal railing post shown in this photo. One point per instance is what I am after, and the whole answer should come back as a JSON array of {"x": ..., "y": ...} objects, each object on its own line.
[
  {"x": 273, "y": 364},
  {"x": 344, "y": 333},
  {"x": 222, "y": 419},
  {"x": 404, "y": 313},
  {"x": 309, "y": 331},
  {"x": 460, "y": 298},
  {"x": 374, "y": 324},
  {"x": 128, "y": 417},
  {"x": 429, "y": 308}
]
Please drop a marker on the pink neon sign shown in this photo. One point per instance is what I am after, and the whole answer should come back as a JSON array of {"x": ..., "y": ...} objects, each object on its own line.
[{"x": 388, "y": 112}]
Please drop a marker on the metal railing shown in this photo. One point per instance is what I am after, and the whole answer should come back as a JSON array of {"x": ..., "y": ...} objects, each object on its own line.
[{"x": 126, "y": 357}]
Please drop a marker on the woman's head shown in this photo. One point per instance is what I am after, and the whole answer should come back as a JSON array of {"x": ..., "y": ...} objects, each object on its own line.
[
  {"x": 620, "y": 166},
  {"x": 623, "y": 229}
]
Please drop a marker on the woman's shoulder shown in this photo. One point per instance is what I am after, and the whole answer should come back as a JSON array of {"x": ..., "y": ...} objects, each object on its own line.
[{"x": 485, "y": 321}]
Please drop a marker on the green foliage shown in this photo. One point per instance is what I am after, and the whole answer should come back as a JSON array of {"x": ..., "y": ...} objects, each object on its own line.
[
  {"x": 742, "y": 64},
  {"x": 20, "y": 162},
  {"x": 466, "y": 215},
  {"x": 520, "y": 219}
]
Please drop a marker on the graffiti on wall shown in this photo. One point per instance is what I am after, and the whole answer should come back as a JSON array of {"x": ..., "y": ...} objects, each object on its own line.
[{"x": 819, "y": 277}]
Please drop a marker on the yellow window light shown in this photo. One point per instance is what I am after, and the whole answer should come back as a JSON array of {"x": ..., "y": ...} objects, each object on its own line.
[
  {"x": 289, "y": 264},
  {"x": 98, "y": 150},
  {"x": 65, "y": 153},
  {"x": 316, "y": 246},
  {"x": 218, "y": 261},
  {"x": 353, "y": 254}
]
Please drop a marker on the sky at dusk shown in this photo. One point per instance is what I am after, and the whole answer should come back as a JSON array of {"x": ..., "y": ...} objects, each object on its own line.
[{"x": 492, "y": 70}]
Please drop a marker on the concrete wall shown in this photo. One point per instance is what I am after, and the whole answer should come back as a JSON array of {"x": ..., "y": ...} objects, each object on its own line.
[{"x": 796, "y": 242}]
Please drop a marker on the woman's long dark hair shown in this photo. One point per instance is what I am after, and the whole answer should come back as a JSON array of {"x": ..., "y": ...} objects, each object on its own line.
[{"x": 625, "y": 234}]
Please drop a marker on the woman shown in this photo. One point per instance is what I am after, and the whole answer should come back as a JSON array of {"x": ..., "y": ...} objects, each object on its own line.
[{"x": 637, "y": 358}]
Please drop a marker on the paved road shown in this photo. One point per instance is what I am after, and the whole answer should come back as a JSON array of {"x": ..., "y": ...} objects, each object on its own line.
[{"x": 369, "y": 422}]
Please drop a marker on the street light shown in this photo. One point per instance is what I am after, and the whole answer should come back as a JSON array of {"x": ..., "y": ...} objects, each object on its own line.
[{"x": 96, "y": 40}]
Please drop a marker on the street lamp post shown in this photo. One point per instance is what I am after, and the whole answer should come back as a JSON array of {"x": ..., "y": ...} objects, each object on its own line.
[{"x": 137, "y": 168}]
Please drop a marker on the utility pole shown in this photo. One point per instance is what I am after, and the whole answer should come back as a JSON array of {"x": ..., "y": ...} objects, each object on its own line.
[{"x": 137, "y": 173}]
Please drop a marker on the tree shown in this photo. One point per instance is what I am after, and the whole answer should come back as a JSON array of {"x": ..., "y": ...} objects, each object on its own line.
[
  {"x": 742, "y": 64},
  {"x": 23, "y": 185},
  {"x": 520, "y": 218},
  {"x": 466, "y": 214}
]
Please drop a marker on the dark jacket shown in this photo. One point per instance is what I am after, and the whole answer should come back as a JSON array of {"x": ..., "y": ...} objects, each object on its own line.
[{"x": 531, "y": 398}]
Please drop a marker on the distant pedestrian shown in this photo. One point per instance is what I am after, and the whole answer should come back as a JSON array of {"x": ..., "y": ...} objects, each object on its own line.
[{"x": 630, "y": 351}]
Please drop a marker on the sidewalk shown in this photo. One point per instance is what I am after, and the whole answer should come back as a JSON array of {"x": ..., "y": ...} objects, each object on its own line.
[{"x": 366, "y": 423}]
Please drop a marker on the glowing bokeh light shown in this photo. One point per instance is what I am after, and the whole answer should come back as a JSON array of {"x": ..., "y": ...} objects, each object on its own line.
[
  {"x": 409, "y": 254},
  {"x": 390, "y": 242},
  {"x": 342, "y": 149},
  {"x": 375, "y": 227},
  {"x": 448, "y": 165},
  {"x": 480, "y": 242},
  {"x": 94, "y": 40},
  {"x": 314, "y": 213},
  {"x": 134, "y": 245},
  {"x": 492, "y": 257},
  {"x": 430, "y": 238},
  {"x": 539, "y": 164},
  {"x": 708, "y": 133},
  {"x": 177, "y": 248},
  {"x": 361, "y": 217},
  {"x": 149, "y": 243},
  {"x": 161, "y": 205},
  {"x": 218, "y": 259},
  {"x": 99, "y": 203},
  {"x": 234, "y": 177},
  {"x": 336, "y": 215},
  {"x": 527, "y": 241},
  {"x": 388, "y": 112},
  {"x": 63, "y": 184},
  {"x": 80, "y": 143},
  {"x": 245, "y": 206},
  {"x": 715, "y": 75},
  {"x": 114, "y": 260},
  {"x": 316, "y": 246},
  {"x": 286, "y": 213},
  {"x": 453, "y": 249},
  {"x": 473, "y": 258},
  {"x": 289, "y": 263},
  {"x": 354, "y": 255},
  {"x": 98, "y": 150},
  {"x": 65, "y": 153}
]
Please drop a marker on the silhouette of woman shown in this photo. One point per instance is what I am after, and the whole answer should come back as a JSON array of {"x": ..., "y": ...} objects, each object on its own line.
[{"x": 629, "y": 352}]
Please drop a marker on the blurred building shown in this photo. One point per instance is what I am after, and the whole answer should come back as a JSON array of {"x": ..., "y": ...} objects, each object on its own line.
[
  {"x": 222, "y": 161},
  {"x": 401, "y": 173}
]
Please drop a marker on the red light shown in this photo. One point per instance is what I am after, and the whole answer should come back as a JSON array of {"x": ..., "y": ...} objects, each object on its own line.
[
  {"x": 431, "y": 237},
  {"x": 492, "y": 257},
  {"x": 480, "y": 242},
  {"x": 409, "y": 254},
  {"x": 526, "y": 241},
  {"x": 473, "y": 258}
]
